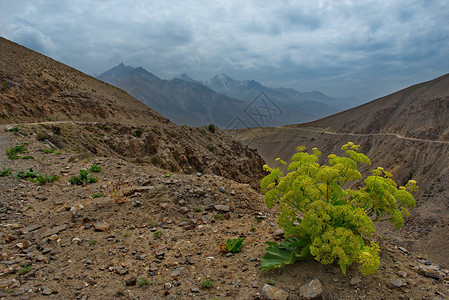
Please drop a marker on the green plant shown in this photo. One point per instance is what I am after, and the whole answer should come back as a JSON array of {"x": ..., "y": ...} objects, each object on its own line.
[
  {"x": 232, "y": 245},
  {"x": 92, "y": 242},
  {"x": 142, "y": 281},
  {"x": 211, "y": 128},
  {"x": 324, "y": 221},
  {"x": 137, "y": 133},
  {"x": 271, "y": 281},
  {"x": 207, "y": 283},
  {"x": 16, "y": 130},
  {"x": 41, "y": 136},
  {"x": 83, "y": 178},
  {"x": 95, "y": 168},
  {"x": 218, "y": 217},
  {"x": 48, "y": 151},
  {"x": 198, "y": 209},
  {"x": 25, "y": 174},
  {"x": 97, "y": 195},
  {"x": 5, "y": 172},
  {"x": 155, "y": 160},
  {"x": 157, "y": 234},
  {"x": 24, "y": 269},
  {"x": 43, "y": 179},
  {"x": 13, "y": 151},
  {"x": 253, "y": 228}
]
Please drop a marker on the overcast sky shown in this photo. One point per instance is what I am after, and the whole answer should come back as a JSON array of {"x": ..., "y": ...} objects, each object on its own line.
[{"x": 366, "y": 49}]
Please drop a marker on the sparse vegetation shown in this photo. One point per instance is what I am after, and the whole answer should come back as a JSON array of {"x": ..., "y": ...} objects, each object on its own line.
[
  {"x": 41, "y": 136},
  {"x": 92, "y": 242},
  {"x": 5, "y": 172},
  {"x": 137, "y": 133},
  {"x": 35, "y": 177},
  {"x": 207, "y": 283},
  {"x": 211, "y": 128},
  {"x": 323, "y": 220},
  {"x": 218, "y": 217},
  {"x": 83, "y": 178},
  {"x": 232, "y": 245},
  {"x": 95, "y": 168},
  {"x": 143, "y": 281},
  {"x": 13, "y": 152},
  {"x": 198, "y": 209},
  {"x": 24, "y": 269},
  {"x": 97, "y": 195},
  {"x": 155, "y": 160},
  {"x": 157, "y": 234}
]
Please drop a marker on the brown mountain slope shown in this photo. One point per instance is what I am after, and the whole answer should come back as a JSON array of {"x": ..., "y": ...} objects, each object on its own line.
[
  {"x": 406, "y": 133},
  {"x": 420, "y": 111},
  {"x": 34, "y": 87},
  {"x": 104, "y": 120}
]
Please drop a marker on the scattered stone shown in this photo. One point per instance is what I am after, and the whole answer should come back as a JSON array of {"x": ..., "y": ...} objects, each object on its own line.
[
  {"x": 164, "y": 205},
  {"x": 395, "y": 282},
  {"x": 194, "y": 290},
  {"x": 222, "y": 189},
  {"x": 223, "y": 208},
  {"x": 131, "y": 281},
  {"x": 45, "y": 290},
  {"x": 199, "y": 174},
  {"x": 30, "y": 228},
  {"x": 179, "y": 271},
  {"x": 279, "y": 233},
  {"x": 76, "y": 207},
  {"x": 403, "y": 249},
  {"x": 430, "y": 271},
  {"x": 273, "y": 293},
  {"x": 40, "y": 258},
  {"x": 101, "y": 226},
  {"x": 55, "y": 230},
  {"x": 312, "y": 290},
  {"x": 355, "y": 280},
  {"x": 402, "y": 274},
  {"x": 168, "y": 285},
  {"x": 121, "y": 271}
]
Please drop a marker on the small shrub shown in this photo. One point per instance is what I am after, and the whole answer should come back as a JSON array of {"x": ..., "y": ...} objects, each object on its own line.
[
  {"x": 211, "y": 128},
  {"x": 16, "y": 130},
  {"x": 143, "y": 281},
  {"x": 157, "y": 234},
  {"x": 41, "y": 136},
  {"x": 5, "y": 172},
  {"x": 207, "y": 283},
  {"x": 137, "y": 133},
  {"x": 198, "y": 209},
  {"x": 97, "y": 195},
  {"x": 218, "y": 217},
  {"x": 25, "y": 174},
  {"x": 232, "y": 245},
  {"x": 24, "y": 269},
  {"x": 95, "y": 168},
  {"x": 13, "y": 152},
  {"x": 120, "y": 190},
  {"x": 92, "y": 242},
  {"x": 155, "y": 160},
  {"x": 48, "y": 151},
  {"x": 271, "y": 281},
  {"x": 43, "y": 179},
  {"x": 83, "y": 178}
]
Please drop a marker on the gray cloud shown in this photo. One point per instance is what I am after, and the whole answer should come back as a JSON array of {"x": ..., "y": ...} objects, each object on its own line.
[{"x": 365, "y": 49}]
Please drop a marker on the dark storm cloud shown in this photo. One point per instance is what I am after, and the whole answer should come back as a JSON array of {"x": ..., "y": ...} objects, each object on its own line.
[{"x": 344, "y": 48}]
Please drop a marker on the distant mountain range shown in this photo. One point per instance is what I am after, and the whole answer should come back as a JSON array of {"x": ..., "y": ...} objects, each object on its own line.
[{"x": 223, "y": 101}]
